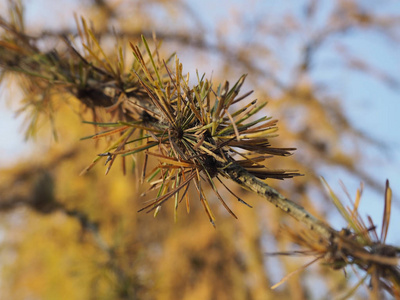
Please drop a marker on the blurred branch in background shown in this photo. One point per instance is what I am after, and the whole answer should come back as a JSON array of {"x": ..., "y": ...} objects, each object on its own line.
[
  {"x": 282, "y": 55},
  {"x": 33, "y": 186}
]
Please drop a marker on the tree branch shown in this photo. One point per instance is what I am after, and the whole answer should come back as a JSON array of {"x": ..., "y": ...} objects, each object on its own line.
[{"x": 250, "y": 182}]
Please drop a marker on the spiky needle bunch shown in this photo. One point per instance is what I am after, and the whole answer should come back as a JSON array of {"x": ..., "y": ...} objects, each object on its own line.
[{"x": 193, "y": 134}]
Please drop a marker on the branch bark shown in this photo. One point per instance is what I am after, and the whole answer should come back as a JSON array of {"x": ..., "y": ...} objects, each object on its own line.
[{"x": 250, "y": 182}]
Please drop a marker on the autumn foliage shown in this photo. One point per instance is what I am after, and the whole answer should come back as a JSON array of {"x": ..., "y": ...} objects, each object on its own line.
[{"x": 136, "y": 136}]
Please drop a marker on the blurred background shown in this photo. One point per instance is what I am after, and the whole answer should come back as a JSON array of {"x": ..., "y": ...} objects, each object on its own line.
[{"x": 330, "y": 71}]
